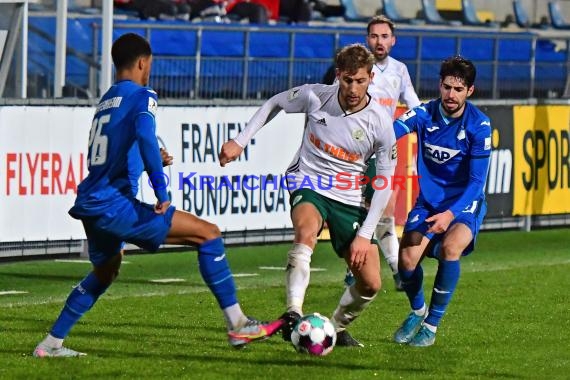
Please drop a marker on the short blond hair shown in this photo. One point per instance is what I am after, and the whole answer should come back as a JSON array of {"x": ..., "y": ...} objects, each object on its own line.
[{"x": 353, "y": 57}]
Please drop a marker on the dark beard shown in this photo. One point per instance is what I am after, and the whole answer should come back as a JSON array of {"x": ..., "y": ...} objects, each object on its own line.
[{"x": 449, "y": 112}]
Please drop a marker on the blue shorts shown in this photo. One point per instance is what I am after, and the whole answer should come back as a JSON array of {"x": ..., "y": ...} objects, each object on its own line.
[
  {"x": 472, "y": 217},
  {"x": 134, "y": 222}
]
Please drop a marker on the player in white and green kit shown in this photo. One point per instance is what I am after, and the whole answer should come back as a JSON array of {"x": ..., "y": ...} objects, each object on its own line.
[{"x": 344, "y": 128}]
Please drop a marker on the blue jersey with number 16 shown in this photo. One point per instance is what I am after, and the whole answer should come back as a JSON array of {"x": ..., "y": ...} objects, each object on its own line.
[
  {"x": 122, "y": 143},
  {"x": 453, "y": 155}
]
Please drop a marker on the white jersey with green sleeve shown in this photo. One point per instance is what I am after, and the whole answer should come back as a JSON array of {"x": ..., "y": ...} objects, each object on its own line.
[{"x": 335, "y": 146}]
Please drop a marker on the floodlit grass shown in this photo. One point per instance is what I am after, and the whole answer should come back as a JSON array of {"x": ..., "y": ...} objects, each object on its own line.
[{"x": 509, "y": 318}]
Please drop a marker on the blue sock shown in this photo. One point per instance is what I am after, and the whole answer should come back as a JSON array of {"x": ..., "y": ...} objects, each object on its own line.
[
  {"x": 79, "y": 301},
  {"x": 412, "y": 280},
  {"x": 216, "y": 272},
  {"x": 445, "y": 282}
]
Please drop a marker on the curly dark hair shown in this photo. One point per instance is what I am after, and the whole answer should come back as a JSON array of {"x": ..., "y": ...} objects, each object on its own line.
[{"x": 458, "y": 67}]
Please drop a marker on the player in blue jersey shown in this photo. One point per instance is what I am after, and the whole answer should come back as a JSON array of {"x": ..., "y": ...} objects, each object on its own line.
[
  {"x": 122, "y": 143},
  {"x": 454, "y": 145}
]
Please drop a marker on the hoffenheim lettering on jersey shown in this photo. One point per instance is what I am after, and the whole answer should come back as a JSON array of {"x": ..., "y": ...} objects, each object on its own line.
[{"x": 109, "y": 103}]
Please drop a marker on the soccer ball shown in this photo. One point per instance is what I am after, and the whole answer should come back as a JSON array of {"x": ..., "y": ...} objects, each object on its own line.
[{"x": 314, "y": 335}]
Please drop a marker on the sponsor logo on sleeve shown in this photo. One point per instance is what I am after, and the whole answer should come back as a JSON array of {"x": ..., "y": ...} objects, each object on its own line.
[
  {"x": 407, "y": 115},
  {"x": 293, "y": 94},
  {"x": 487, "y": 143},
  {"x": 394, "y": 152},
  {"x": 152, "y": 105}
]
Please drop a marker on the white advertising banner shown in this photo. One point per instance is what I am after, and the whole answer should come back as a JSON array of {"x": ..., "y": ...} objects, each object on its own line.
[
  {"x": 42, "y": 162},
  {"x": 43, "y": 159}
]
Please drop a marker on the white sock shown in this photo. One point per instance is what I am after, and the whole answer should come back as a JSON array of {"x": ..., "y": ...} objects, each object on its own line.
[
  {"x": 351, "y": 304},
  {"x": 297, "y": 276},
  {"x": 431, "y": 328},
  {"x": 52, "y": 341},
  {"x": 234, "y": 316},
  {"x": 388, "y": 242},
  {"x": 421, "y": 311}
]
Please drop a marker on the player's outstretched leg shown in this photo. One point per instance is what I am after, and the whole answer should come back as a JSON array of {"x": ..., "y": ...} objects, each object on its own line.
[
  {"x": 80, "y": 301},
  {"x": 217, "y": 275},
  {"x": 189, "y": 229}
]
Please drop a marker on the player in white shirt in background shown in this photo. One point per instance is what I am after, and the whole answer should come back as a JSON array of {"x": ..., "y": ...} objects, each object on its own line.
[
  {"x": 391, "y": 83},
  {"x": 344, "y": 128}
]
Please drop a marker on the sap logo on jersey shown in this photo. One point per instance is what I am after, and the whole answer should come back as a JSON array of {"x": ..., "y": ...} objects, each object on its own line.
[{"x": 439, "y": 154}]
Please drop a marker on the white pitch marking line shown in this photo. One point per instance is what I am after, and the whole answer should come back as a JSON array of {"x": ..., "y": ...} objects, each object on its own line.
[
  {"x": 246, "y": 274},
  {"x": 283, "y": 268},
  {"x": 168, "y": 280},
  {"x": 81, "y": 261},
  {"x": 9, "y": 292}
]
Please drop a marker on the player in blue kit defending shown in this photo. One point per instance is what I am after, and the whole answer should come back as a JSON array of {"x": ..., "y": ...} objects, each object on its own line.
[
  {"x": 122, "y": 143},
  {"x": 454, "y": 145}
]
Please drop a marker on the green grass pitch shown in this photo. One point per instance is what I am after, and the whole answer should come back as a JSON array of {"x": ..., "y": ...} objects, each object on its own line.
[{"x": 509, "y": 319}]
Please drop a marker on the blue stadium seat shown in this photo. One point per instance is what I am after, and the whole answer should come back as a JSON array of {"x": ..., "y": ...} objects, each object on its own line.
[
  {"x": 556, "y": 17},
  {"x": 432, "y": 16},
  {"x": 470, "y": 15},
  {"x": 351, "y": 13},
  {"x": 223, "y": 53},
  {"x": 521, "y": 17},
  {"x": 389, "y": 9}
]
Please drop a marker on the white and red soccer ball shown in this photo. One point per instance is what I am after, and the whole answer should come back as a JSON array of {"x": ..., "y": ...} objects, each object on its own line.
[{"x": 314, "y": 334}]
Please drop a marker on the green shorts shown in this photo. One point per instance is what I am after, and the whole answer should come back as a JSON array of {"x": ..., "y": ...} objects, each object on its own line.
[
  {"x": 343, "y": 220},
  {"x": 370, "y": 173}
]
